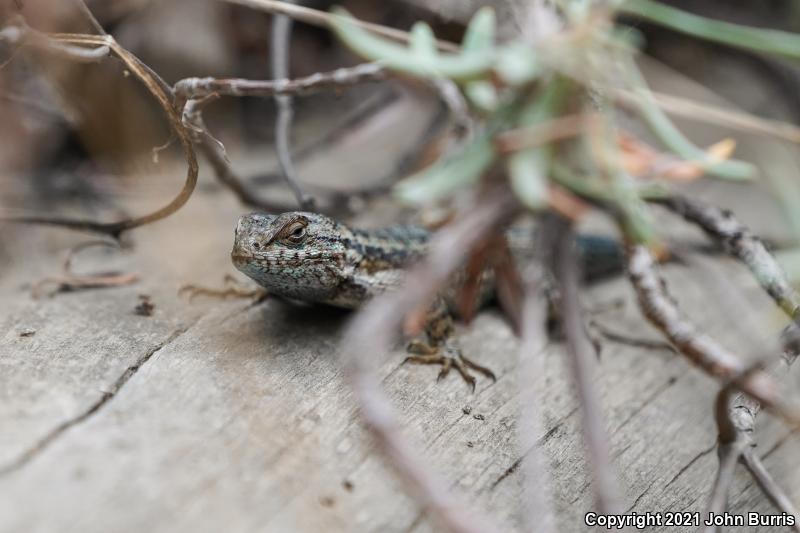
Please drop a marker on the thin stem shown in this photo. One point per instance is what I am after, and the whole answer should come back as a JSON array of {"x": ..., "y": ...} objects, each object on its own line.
[
  {"x": 772, "y": 42},
  {"x": 90, "y": 17},
  {"x": 281, "y": 43},
  {"x": 321, "y": 18},
  {"x": 768, "y": 485},
  {"x": 581, "y": 354}
]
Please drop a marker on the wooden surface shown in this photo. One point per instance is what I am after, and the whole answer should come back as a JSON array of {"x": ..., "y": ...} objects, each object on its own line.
[{"x": 227, "y": 416}]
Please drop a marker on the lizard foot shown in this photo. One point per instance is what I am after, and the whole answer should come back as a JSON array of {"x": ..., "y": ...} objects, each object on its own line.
[
  {"x": 232, "y": 289},
  {"x": 448, "y": 358}
]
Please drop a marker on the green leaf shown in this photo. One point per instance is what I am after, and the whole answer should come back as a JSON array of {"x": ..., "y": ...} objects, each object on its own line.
[
  {"x": 675, "y": 140},
  {"x": 480, "y": 33},
  {"x": 423, "y": 43},
  {"x": 517, "y": 64},
  {"x": 482, "y": 94},
  {"x": 448, "y": 174},
  {"x": 635, "y": 217},
  {"x": 528, "y": 169},
  {"x": 528, "y": 173},
  {"x": 773, "y": 42},
  {"x": 458, "y": 67}
]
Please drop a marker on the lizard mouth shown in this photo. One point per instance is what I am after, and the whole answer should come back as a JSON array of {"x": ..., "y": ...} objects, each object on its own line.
[{"x": 240, "y": 258}]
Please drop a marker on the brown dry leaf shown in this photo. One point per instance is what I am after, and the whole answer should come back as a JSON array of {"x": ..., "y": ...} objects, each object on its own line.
[
  {"x": 722, "y": 150},
  {"x": 415, "y": 321},
  {"x": 467, "y": 297},
  {"x": 73, "y": 283},
  {"x": 508, "y": 284},
  {"x": 641, "y": 160},
  {"x": 566, "y": 203}
]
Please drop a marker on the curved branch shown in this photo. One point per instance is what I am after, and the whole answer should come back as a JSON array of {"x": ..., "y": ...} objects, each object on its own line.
[
  {"x": 164, "y": 97},
  {"x": 702, "y": 350}
]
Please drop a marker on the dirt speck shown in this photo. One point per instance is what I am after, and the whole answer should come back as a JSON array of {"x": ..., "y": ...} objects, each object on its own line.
[
  {"x": 145, "y": 307},
  {"x": 327, "y": 501}
]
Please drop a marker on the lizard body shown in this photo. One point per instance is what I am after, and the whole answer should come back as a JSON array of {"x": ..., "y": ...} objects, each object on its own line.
[{"x": 313, "y": 258}]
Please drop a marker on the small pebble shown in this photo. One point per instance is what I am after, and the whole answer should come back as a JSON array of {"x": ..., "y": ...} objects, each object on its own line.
[
  {"x": 478, "y": 417},
  {"x": 27, "y": 332},
  {"x": 470, "y": 444},
  {"x": 327, "y": 501},
  {"x": 145, "y": 306},
  {"x": 466, "y": 409}
]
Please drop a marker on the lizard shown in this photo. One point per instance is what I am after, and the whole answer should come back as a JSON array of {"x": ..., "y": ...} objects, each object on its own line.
[{"x": 313, "y": 258}]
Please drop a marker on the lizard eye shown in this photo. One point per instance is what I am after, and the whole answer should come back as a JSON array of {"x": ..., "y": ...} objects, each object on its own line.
[
  {"x": 257, "y": 245},
  {"x": 297, "y": 234}
]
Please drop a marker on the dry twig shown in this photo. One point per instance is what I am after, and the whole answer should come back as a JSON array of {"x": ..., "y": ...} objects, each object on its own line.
[
  {"x": 581, "y": 355},
  {"x": 193, "y": 94},
  {"x": 702, "y": 350},
  {"x": 69, "y": 281},
  {"x": 371, "y": 333},
  {"x": 338, "y": 79},
  {"x": 281, "y": 39},
  {"x": 214, "y": 152},
  {"x": 164, "y": 97},
  {"x": 539, "y": 514},
  {"x": 323, "y": 19},
  {"x": 742, "y": 244}
]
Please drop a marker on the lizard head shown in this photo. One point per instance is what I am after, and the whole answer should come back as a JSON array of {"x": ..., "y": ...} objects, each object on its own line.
[{"x": 296, "y": 255}]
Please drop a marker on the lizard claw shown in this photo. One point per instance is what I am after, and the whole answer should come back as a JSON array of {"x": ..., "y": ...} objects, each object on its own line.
[{"x": 432, "y": 355}]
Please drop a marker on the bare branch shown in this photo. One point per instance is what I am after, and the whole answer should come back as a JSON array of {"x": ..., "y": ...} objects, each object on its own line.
[
  {"x": 321, "y": 18},
  {"x": 90, "y": 17},
  {"x": 539, "y": 514},
  {"x": 340, "y": 78},
  {"x": 451, "y": 95},
  {"x": 768, "y": 485},
  {"x": 742, "y": 244},
  {"x": 372, "y": 330},
  {"x": 70, "y": 281},
  {"x": 726, "y": 117},
  {"x": 702, "y": 350},
  {"x": 581, "y": 355},
  {"x": 193, "y": 94},
  {"x": 164, "y": 97},
  {"x": 728, "y": 457},
  {"x": 281, "y": 39},
  {"x": 21, "y": 34},
  {"x": 214, "y": 152}
]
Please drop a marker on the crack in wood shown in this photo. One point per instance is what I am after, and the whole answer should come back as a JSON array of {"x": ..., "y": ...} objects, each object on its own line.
[
  {"x": 664, "y": 386},
  {"x": 688, "y": 465},
  {"x": 780, "y": 443},
  {"x": 539, "y": 442},
  {"x": 416, "y": 522},
  {"x": 639, "y": 498},
  {"x": 40, "y": 446}
]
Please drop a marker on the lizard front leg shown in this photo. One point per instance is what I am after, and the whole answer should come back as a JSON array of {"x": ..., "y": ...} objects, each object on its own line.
[
  {"x": 232, "y": 289},
  {"x": 441, "y": 347}
]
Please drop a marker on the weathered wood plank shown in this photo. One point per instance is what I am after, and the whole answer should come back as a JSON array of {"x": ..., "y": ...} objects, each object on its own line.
[{"x": 242, "y": 422}]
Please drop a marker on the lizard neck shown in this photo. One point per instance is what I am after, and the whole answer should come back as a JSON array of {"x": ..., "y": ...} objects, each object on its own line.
[
  {"x": 376, "y": 261},
  {"x": 392, "y": 248}
]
